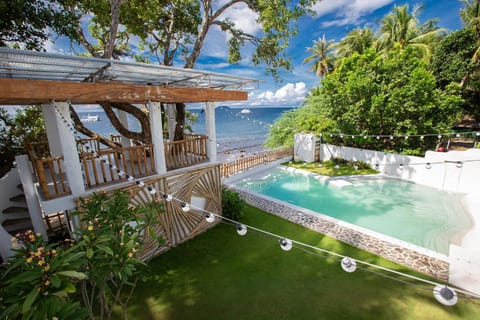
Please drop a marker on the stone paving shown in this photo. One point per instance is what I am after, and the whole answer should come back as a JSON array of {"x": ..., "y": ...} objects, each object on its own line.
[{"x": 426, "y": 264}]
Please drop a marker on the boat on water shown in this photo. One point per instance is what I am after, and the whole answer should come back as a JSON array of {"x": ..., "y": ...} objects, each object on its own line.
[
  {"x": 90, "y": 118},
  {"x": 245, "y": 110}
]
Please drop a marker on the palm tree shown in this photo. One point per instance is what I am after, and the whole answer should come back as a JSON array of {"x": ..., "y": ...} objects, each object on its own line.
[
  {"x": 321, "y": 53},
  {"x": 358, "y": 40},
  {"x": 402, "y": 27}
]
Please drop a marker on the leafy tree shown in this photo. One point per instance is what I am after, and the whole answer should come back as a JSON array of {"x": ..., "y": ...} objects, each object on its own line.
[
  {"x": 26, "y": 23},
  {"x": 26, "y": 125},
  {"x": 371, "y": 94},
  {"x": 321, "y": 55},
  {"x": 308, "y": 118},
  {"x": 458, "y": 48},
  {"x": 402, "y": 27}
]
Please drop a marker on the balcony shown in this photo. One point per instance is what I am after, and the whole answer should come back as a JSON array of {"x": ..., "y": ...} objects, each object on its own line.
[{"x": 136, "y": 161}]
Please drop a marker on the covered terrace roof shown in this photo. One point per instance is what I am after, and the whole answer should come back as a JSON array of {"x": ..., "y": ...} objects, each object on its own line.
[{"x": 29, "y": 77}]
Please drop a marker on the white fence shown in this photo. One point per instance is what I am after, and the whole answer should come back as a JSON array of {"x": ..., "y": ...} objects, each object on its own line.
[{"x": 457, "y": 171}]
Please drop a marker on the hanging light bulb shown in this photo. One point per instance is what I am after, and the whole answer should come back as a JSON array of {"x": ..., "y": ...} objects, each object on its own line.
[
  {"x": 341, "y": 136},
  {"x": 285, "y": 244},
  {"x": 114, "y": 167},
  {"x": 140, "y": 183},
  {"x": 477, "y": 134},
  {"x": 459, "y": 164},
  {"x": 331, "y": 135},
  {"x": 241, "y": 229},
  {"x": 457, "y": 135},
  {"x": 439, "y": 136},
  {"x": 377, "y": 166},
  {"x": 121, "y": 173},
  {"x": 421, "y": 137},
  {"x": 353, "y": 137},
  {"x": 130, "y": 178},
  {"x": 355, "y": 167},
  {"x": 348, "y": 264},
  {"x": 210, "y": 218},
  {"x": 364, "y": 137},
  {"x": 406, "y": 137},
  {"x": 185, "y": 207},
  {"x": 428, "y": 165},
  {"x": 151, "y": 190},
  {"x": 167, "y": 197},
  {"x": 337, "y": 166},
  {"x": 391, "y": 137},
  {"x": 378, "y": 137},
  {"x": 445, "y": 295},
  {"x": 400, "y": 166}
]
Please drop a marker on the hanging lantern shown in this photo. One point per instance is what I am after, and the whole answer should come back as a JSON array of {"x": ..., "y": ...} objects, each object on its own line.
[
  {"x": 348, "y": 264},
  {"x": 285, "y": 244},
  {"x": 241, "y": 229}
]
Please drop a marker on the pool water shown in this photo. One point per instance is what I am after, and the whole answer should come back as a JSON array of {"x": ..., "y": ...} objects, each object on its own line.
[{"x": 417, "y": 214}]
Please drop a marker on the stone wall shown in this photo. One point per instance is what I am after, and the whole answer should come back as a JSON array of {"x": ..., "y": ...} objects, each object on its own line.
[{"x": 421, "y": 262}]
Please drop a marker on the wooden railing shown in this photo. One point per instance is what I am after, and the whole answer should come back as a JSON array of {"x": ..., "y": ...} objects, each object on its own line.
[
  {"x": 187, "y": 152},
  {"x": 136, "y": 161},
  {"x": 237, "y": 166}
]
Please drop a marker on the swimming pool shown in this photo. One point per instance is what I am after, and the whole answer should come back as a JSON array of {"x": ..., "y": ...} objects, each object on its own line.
[{"x": 417, "y": 214}]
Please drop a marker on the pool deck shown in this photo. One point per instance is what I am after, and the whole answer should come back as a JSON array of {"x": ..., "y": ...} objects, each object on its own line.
[{"x": 461, "y": 267}]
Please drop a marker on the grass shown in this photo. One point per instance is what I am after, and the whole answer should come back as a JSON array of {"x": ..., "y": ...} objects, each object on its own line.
[
  {"x": 328, "y": 168},
  {"x": 220, "y": 275}
]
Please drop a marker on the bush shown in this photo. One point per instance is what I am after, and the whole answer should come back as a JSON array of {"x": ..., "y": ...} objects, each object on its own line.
[{"x": 232, "y": 204}]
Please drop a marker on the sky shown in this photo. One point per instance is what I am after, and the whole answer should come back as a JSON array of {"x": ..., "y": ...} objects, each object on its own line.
[{"x": 334, "y": 18}]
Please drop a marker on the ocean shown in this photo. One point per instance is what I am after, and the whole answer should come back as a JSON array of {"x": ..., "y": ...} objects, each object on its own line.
[{"x": 237, "y": 133}]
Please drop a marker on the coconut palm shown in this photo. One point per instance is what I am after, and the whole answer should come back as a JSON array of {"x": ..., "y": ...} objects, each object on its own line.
[
  {"x": 402, "y": 27},
  {"x": 358, "y": 40},
  {"x": 321, "y": 53}
]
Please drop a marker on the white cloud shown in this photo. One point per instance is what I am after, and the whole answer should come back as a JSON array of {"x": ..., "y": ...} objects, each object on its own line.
[
  {"x": 289, "y": 94},
  {"x": 347, "y": 11},
  {"x": 243, "y": 17}
]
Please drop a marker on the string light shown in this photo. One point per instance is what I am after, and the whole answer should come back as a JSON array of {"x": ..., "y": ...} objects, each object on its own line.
[
  {"x": 444, "y": 294},
  {"x": 285, "y": 244},
  {"x": 421, "y": 136}
]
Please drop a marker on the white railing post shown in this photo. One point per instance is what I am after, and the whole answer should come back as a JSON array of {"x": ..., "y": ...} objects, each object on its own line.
[
  {"x": 155, "y": 115},
  {"x": 210, "y": 126}
]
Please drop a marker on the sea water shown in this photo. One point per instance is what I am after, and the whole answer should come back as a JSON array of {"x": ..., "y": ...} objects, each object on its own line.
[{"x": 236, "y": 132}]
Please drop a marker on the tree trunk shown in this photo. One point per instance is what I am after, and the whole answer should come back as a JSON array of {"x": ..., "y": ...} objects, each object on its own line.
[
  {"x": 115, "y": 12},
  {"x": 180, "y": 118},
  {"x": 145, "y": 136},
  {"x": 79, "y": 127}
]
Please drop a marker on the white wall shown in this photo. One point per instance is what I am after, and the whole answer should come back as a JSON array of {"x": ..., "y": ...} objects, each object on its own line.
[
  {"x": 443, "y": 174},
  {"x": 304, "y": 147}
]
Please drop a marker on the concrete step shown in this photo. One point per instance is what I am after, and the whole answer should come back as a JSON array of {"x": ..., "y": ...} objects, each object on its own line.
[
  {"x": 20, "y": 186},
  {"x": 14, "y": 226},
  {"x": 14, "y": 209},
  {"x": 19, "y": 198}
]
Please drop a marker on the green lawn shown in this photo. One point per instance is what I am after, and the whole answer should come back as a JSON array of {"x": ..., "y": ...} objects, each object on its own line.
[
  {"x": 327, "y": 168},
  {"x": 220, "y": 275}
]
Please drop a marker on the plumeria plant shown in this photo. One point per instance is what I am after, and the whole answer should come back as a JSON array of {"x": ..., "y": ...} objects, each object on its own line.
[
  {"x": 111, "y": 237},
  {"x": 39, "y": 280}
]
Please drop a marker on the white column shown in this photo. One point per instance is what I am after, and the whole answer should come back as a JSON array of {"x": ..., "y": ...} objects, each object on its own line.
[
  {"x": 68, "y": 145},
  {"x": 155, "y": 115},
  {"x": 31, "y": 197},
  {"x": 122, "y": 116},
  {"x": 53, "y": 135},
  {"x": 210, "y": 126},
  {"x": 170, "y": 113}
]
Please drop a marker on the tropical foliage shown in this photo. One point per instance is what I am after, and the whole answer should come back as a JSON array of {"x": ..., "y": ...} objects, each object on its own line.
[
  {"x": 88, "y": 277},
  {"x": 390, "y": 82}
]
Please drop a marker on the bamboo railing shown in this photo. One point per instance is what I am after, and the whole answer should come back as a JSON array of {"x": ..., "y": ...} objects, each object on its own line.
[
  {"x": 135, "y": 161},
  {"x": 187, "y": 152},
  {"x": 237, "y": 166}
]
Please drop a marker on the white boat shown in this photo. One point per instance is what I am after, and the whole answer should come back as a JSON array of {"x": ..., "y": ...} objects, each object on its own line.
[
  {"x": 90, "y": 118},
  {"x": 245, "y": 110}
]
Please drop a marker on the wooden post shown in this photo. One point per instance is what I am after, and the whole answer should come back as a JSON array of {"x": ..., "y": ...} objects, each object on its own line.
[
  {"x": 210, "y": 126},
  {"x": 155, "y": 115}
]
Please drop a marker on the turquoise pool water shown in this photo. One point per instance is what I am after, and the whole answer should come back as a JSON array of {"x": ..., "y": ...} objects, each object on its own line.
[{"x": 417, "y": 214}]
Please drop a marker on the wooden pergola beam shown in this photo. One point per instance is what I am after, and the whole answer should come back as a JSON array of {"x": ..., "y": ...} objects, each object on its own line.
[{"x": 28, "y": 92}]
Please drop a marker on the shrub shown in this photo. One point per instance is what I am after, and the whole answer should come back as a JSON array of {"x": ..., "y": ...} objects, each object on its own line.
[{"x": 232, "y": 204}]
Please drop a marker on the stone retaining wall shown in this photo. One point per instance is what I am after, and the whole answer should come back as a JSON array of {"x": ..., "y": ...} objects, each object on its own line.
[{"x": 418, "y": 261}]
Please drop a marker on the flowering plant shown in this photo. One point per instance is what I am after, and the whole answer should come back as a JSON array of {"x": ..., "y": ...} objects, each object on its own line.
[{"x": 39, "y": 279}]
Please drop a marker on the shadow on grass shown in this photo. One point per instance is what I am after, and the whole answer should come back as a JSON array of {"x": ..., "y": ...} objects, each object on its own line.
[{"x": 219, "y": 275}]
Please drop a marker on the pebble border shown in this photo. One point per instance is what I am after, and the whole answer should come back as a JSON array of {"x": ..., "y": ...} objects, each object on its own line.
[{"x": 418, "y": 261}]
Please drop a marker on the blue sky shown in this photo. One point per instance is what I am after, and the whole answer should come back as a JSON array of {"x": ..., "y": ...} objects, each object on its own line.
[{"x": 335, "y": 18}]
